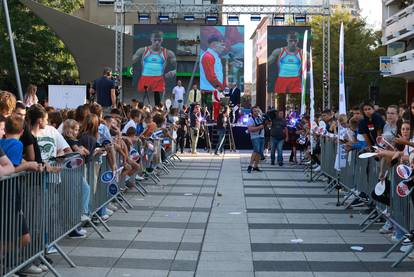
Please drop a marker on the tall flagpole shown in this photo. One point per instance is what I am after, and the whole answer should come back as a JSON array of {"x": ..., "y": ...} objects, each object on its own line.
[
  {"x": 312, "y": 100},
  {"x": 304, "y": 73}
]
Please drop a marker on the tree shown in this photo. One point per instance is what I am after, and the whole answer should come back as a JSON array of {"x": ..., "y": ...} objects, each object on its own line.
[
  {"x": 41, "y": 55},
  {"x": 362, "y": 52}
]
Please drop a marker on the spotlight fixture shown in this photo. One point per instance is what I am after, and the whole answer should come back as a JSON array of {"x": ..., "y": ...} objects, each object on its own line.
[
  {"x": 255, "y": 17},
  {"x": 280, "y": 18},
  {"x": 211, "y": 18},
  {"x": 300, "y": 18},
  {"x": 233, "y": 18},
  {"x": 189, "y": 18},
  {"x": 163, "y": 18},
  {"x": 143, "y": 17}
]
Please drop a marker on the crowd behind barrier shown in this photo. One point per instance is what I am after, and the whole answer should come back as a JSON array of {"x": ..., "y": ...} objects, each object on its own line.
[
  {"x": 48, "y": 205},
  {"x": 362, "y": 175}
]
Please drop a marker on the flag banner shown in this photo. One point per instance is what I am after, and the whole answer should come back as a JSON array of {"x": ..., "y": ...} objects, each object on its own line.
[
  {"x": 304, "y": 73},
  {"x": 341, "y": 156},
  {"x": 312, "y": 101}
]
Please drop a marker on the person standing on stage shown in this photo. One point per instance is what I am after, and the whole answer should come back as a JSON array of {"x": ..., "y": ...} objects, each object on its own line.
[
  {"x": 235, "y": 102},
  {"x": 211, "y": 69},
  {"x": 194, "y": 96},
  {"x": 154, "y": 59},
  {"x": 178, "y": 92},
  {"x": 222, "y": 121},
  {"x": 217, "y": 95}
]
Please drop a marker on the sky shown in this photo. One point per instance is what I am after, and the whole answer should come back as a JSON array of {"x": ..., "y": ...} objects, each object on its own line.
[{"x": 370, "y": 9}]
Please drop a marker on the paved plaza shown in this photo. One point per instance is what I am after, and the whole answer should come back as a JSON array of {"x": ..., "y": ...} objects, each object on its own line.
[{"x": 211, "y": 218}]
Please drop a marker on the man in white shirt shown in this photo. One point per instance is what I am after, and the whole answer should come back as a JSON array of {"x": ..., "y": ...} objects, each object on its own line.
[{"x": 178, "y": 92}]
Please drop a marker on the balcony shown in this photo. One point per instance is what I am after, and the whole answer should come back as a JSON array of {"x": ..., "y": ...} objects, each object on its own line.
[
  {"x": 402, "y": 65},
  {"x": 399, "y": 26}
]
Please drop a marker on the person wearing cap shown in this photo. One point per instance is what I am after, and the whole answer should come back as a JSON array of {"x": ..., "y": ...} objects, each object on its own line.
[
  {"x": 211, "y": 69},
  {"x": 154, "y": 60}
]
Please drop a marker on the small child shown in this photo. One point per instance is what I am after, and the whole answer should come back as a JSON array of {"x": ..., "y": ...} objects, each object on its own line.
[{"x": 13, "y": 147}]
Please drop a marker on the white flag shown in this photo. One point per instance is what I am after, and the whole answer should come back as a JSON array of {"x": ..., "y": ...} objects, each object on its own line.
[
  {"x": 304, "y": 73},
  {"x": 341, "y": 154},
  {"x": 312, "y": 102}
]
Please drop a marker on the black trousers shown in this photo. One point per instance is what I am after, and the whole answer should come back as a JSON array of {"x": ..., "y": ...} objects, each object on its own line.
[
  {"x": 181, "y": 138},
  {"x": 157, "y": 98}
]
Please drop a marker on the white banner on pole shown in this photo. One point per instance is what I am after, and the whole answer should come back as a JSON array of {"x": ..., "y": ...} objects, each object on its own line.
[
  {"x": 341, "y": 156},
  {"x": 312, "y": 101},
  {"x": 304, "y": 73},
  {"x": 66, "y": 97}
]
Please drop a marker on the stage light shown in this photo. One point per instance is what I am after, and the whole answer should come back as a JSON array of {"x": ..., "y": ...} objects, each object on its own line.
[
  {"x": 233, "y": 18},
  {"x": 300, "y": 18},
  {"x": 163, "y": 18},
  {"x": 255, "y": 17},
  {"x": 189, "y": 18},
  {"x": 143, "y": 17},
  {"x": 279, "y": 18},
  {"x": 211, "y": 18}
]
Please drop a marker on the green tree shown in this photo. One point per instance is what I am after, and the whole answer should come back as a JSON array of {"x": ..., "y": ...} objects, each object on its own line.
[
  {"x": 362, "y": 51},
  {"x": 41, "y": 55}
]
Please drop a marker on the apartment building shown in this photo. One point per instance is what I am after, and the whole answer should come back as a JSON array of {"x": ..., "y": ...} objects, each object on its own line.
[{"x": 398, "y": 36}]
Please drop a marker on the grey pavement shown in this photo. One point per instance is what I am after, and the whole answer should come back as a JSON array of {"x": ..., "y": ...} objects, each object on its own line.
[{"x": 209, "y": 217}]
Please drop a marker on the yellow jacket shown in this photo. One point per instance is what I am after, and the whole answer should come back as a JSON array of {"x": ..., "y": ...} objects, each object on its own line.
[{"x": 191, "y": 96}]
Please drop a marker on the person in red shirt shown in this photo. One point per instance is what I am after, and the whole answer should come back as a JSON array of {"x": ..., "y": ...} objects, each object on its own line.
[{"x": 216, "y": 102}]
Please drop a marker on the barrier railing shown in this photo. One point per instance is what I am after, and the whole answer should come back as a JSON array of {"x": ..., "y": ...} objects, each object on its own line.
[{"x": 362, "y": 175}]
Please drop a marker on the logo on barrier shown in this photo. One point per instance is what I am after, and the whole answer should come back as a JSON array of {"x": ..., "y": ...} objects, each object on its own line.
[
  {"x": 107, "y": 177},
  {"x": 404, "y": 171},
  {"x": 73, "y": 163},
  {"x": 113, "y": 189},
  {"x": 403, "y": 190},
  {"x": 133, "y": 154}
]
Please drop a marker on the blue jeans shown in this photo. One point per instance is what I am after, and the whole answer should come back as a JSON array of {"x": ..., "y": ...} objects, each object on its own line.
[
  {"x": 276, "y": 144},
  {"x": 220, "y": 141},
  {"x": 86, "y": 193}
]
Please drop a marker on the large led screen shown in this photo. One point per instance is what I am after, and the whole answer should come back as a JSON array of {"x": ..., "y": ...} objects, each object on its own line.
[
  {"x": 221, "y": 57},
  {"x": 154, "y": 60},
  {"x": 284, "y": 62}
]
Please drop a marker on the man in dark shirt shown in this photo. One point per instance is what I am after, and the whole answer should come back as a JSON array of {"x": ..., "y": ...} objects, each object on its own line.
[
  {"x": 222, "y": 122},
  {"x": 371, "y": 125},
  {"x": 234, "y": 101},
  {"x": 195, "y": 124},
  {"x": 104, "y": 88},
  {"x": 278, "y": 134}
]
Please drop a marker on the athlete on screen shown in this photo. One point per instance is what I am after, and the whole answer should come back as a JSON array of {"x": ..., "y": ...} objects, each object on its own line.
[
  {"x": 154, "y": 59},
  {"x": 288, "y": 61}
]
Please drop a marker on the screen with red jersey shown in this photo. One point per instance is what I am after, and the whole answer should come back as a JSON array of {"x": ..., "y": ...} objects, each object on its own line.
[
  {"x": 284, "y": 62},
  {"x": 154, "y": 61},
  {"x": 221, "y": 57}
]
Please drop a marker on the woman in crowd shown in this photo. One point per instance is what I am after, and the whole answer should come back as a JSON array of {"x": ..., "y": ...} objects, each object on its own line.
[{"x": 31, "y": 98}]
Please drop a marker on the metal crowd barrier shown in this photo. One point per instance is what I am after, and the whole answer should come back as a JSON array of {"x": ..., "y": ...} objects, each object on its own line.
[{"x": 362, "y": 175}]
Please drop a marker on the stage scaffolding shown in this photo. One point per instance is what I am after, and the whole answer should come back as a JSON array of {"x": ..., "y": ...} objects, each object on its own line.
[{"x": 177, "y": 11}]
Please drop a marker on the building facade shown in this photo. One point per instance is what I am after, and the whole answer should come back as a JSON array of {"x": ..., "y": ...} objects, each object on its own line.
[{"x": 398, "y": 36}]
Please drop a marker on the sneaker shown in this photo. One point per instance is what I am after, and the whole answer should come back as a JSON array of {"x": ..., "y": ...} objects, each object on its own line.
[
  {"x": 407, "y": 244},
  {"x": 358, "y": 203},
  {"x": 249, "y": 169},
  {"x": 280, "y": 164},
  {"x": 139, "y": 178},
  {"x": 257, "y": 169},
  {"x": 109, "y": 212},
  {"x": 84, "y": 218},
  {"x": 272, "y": 163},
  {"x": 112, "y": 207},
  {"x": 31, "y": 270},
  {"x": 385, "y": 231},
  {"x": 217, "y": 154},
  {"x": 52, "y": 250},
  {"x": 105, "y": 217},
  {"x": 76, "y": 235},
  {"x": 317, "y": 169},
  {"x": 82, "y": 231},
  {"x": 43, "y": 267}
]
